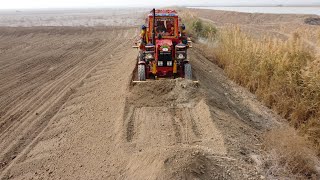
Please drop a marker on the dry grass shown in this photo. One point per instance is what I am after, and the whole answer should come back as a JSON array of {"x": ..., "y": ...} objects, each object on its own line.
[
  {"x": 288, "y": 155},
  {"x": 285, "y": 75},
  {"x": 309, "y": 33},
  {"x": 318, "y": 37}
]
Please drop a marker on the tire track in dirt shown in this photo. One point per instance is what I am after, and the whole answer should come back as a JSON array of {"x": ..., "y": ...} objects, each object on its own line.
[
  {"x": 106, "y": 128},
  {"x": 36, "y": 79},
  {"x": 41, "y": 53},
  {"x": 35, "y": 47},
  {"x": 40, "y": 98},
  {"x": 45, "y": 85},
  {"x": 34, "y": 153},
  {"x": 61, "y": 53},
  {"x": 49, "y": 103},
  {"x": 167, "y": 122},
  {"x": 168, "y": 126}
]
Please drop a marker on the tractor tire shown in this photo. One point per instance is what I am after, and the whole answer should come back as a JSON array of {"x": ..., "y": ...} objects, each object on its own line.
[
  {"x": 141, "y": 72},
  {"x": 187, "y": 71},
  {"x": 140, "y": 56}
]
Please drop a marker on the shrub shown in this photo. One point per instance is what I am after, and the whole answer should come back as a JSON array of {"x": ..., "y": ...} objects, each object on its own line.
[
  {"x": 197, "y": 27},
  {"x": 288, "y": 155}
]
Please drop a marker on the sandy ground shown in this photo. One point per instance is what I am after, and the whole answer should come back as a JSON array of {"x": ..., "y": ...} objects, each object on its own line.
[
  {"x": 70, "y": 111},
  {"x": 72, "y": 17}
]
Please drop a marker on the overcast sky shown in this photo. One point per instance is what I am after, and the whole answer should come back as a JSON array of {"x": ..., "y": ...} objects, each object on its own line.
[{"x": 22, "y": 4}]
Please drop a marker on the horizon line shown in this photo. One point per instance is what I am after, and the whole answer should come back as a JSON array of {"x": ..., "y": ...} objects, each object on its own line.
[{"x": 183, "y": 6}]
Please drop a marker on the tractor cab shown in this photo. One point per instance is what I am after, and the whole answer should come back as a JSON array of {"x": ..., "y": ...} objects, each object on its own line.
[
  {"x": 164, "y": 51},
  {"x": 166, "y": 24}
]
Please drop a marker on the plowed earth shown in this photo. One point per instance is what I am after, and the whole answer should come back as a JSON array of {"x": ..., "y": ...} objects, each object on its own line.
[{"x": 68, "y": 110}]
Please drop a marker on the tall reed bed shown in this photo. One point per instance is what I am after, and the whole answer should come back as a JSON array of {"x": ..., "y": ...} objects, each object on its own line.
[{"x": 284, "y": 74}]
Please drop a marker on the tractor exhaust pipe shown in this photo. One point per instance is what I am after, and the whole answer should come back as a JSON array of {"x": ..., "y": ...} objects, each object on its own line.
[{"x": 154, "y": 26}]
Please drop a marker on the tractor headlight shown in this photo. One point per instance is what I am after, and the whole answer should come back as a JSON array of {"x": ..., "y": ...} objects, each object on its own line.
[
  {"x": 169, "y": 63},
  {"x": 181, "y": 56},
  {"x": 181, "y": 51},
  {"x": 149, "y": 56},
  {"x": 160, "y": 63}
]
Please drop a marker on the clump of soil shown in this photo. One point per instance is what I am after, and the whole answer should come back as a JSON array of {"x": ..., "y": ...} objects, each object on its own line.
[
  {"x": 193, "y": 165},
  {"x": 312, "y": 21},
  {"x": 163, "y": 93}
]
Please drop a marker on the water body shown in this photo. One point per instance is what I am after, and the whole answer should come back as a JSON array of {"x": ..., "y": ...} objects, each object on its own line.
[{"x": 270, "y": 10}]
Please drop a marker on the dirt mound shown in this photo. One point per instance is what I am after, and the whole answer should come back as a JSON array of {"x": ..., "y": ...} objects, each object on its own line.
[
  {"x": 193, "y": 165},
  {"x": 169, "y": 124},
  {"x": 164, "y": 93},
  {"x": 181, "y": 162}
]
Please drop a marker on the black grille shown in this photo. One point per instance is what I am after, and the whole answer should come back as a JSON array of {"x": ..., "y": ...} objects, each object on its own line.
[{"x": 165, "y": 57}]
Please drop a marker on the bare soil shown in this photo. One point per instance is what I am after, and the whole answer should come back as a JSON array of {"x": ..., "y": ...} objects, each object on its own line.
[
  {"x": 73, "y": 17},
  {"x": 70, "y": 111}
]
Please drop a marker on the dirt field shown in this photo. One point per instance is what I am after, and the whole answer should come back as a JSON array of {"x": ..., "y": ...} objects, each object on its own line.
[
  {"x": 69, "y": 111},
  {"x": 72, "y": 17}
]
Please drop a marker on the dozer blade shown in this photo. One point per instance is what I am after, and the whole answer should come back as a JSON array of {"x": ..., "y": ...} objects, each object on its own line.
[
  {"x": 148, "y": 81},
  {"x": 134, "y": 78},
  {"x": 135, "y": 82}
]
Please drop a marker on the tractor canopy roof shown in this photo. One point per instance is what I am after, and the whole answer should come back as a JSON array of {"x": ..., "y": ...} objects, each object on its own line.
[{"x": 162, "y": 12}]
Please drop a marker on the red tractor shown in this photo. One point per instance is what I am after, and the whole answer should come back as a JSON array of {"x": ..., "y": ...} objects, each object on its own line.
[{"x": 163, "y": 47}]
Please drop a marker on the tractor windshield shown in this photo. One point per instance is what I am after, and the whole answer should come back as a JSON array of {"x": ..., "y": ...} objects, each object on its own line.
[{"x": 165, "y": 26}]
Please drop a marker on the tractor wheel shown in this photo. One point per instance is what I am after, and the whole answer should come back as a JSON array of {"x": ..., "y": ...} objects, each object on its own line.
[
  {"x": 187, "y": 71},
  {"x": 141, "y": 72},
  {"x": 140, "y": 56}
]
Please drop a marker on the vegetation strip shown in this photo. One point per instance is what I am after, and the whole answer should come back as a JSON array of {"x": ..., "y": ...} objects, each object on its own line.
[{"x": 284, "y": 74}]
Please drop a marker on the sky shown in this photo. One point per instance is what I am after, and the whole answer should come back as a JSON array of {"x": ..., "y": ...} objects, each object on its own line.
[{"x": 34, "y": 4}]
